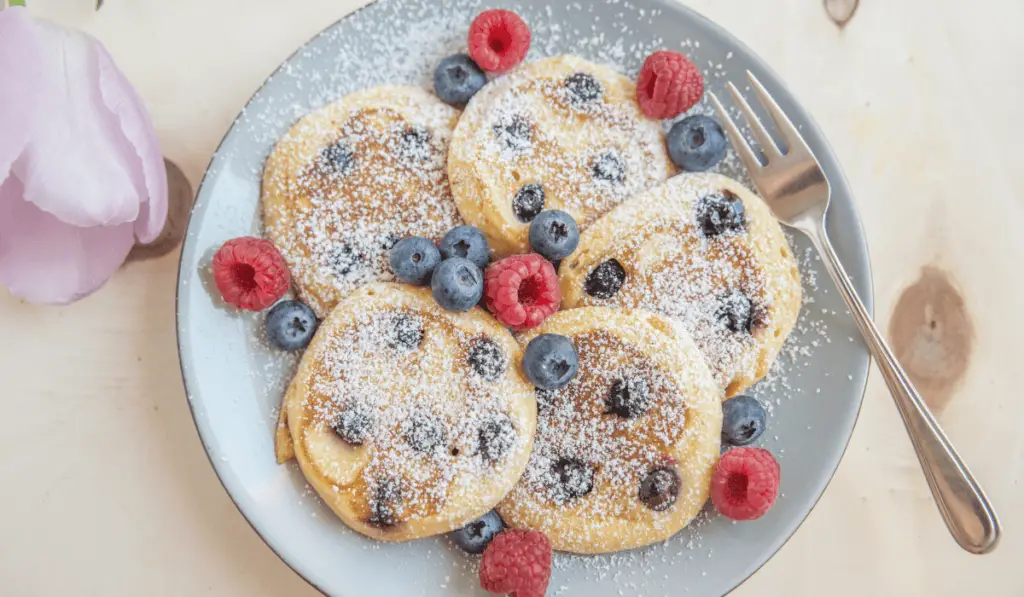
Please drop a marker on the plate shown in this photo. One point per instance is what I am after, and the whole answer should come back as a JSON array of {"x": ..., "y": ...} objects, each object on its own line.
[{"x": 234, "y": 382}]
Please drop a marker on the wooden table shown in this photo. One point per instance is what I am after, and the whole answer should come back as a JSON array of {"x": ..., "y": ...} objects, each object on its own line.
[{"x": 105, "y": 487}]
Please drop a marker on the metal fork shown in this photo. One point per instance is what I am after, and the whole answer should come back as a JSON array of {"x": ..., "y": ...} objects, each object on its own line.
[{"x": 797, "y": 191}]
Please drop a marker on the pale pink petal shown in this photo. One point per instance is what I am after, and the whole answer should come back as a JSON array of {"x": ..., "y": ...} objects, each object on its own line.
[
  {"x": 78, "y": 165},
  {"x": 45, "y": 260},
  {"x": 20, "y": 83},
  {"x": 124, "y": 102}
]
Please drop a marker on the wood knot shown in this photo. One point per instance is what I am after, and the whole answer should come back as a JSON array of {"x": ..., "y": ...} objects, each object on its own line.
[
  {"x": 932, "y": 335},
  {"x": 841, "y": 11}
]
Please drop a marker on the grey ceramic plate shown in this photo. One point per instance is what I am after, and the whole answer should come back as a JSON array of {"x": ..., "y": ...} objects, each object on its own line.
[{"x": 234, "y": 383}]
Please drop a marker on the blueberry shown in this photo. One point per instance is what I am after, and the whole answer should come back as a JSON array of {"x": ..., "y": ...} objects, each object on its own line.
[
  {"x": 554, "y": 234},
  {"x": 629, "y": 397},
  {"x": 414, "y": 144},
  {"x": 457, "y": 284},
  {"x": 423, "y": 433},
  {"x": 457, "y": 78},
  {"x": 583, "y": 88},
  {"x": 413, "y": 260},
  {"x": 404, "y": 333},
  {"x": 660, "y": 489},
  {"x": 573, "y": 479},
  {"x": 477, "y": 535},
  {"x": 353, "y": 425},
  {"x": 550, "y": 361},
  {"x": 290, "y": 325},
  {"x": 696, "y": 143},
  {"x": 528, "y": 201},
  {"x": 743, "y": 420},
  {"x": 737, "y": 312},
  {"x": 605, "y": 280},
  {"x": 487, "y": 359},
  {"x": 514, "y": 133},
  {"x": 338, "y": 158},
  {"x": 609, "y": 167},
  {"x": 721, "y": 213},
  {"x": 343, "y": 259},
  {"x": 496, "y": 437},
  {"x": 545, "y": 400},
  {"x": 387, "y": 495},
  {"x": 466, "y": 242}
]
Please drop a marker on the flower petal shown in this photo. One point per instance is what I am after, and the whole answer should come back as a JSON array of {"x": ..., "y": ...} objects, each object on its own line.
[
  {"x": 78, "y": 165},
  {"x": 20, "y": 71},
  {"x": 124, "y": 102},
  {"x": 45, "y": 260}
]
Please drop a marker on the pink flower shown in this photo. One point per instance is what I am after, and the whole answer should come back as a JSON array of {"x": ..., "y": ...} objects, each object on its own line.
[{"x": 81, "y": 173}]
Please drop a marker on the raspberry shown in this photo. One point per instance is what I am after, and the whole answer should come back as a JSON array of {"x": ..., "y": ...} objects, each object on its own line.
[
  {"x": 668, "y": 85},
  {"x": 498, "y": 40},
  {"x": 522, "y": 291},
  {"x": 745, "y": 483},
  {"x": 517, "y": 562},
  {"x": 250, "y": 273}
]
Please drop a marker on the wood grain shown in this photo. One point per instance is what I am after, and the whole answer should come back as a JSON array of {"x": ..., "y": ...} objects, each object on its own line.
[{"x": 107, "y": 492}]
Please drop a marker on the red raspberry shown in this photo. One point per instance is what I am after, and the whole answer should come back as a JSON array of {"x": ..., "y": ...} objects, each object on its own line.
[
  {"x": 498, "y": 40},
  {"x": 517, "y": 562},
  {"x": 522, "y": 291},
  {"x": 668, "y": 85},
  {"x": 745, "y": 483},
  {"x": 250, "y": 273}
]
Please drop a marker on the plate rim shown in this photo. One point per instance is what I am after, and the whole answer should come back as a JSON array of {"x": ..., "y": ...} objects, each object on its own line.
[{"x": 840, "y": 182}]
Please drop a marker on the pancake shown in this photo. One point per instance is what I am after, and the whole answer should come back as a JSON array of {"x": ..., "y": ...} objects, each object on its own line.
[
  {"x": 559, "y": 133},
  {"x": 409, "y": 420},
  {"x": 350, "y": 180},
  {"x": 624, "y": 453},
  {"x": 673, "y": 250}
]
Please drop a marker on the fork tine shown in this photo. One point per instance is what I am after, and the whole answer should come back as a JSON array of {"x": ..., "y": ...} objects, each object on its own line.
[
  {"x": 794, "y": 140},
  {"x": 750, "y": 159},
  {"x": 763, "y": 136}
]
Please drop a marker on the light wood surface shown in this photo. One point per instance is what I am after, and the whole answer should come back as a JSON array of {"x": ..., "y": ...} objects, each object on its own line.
[{"x": 104, "y": 487}]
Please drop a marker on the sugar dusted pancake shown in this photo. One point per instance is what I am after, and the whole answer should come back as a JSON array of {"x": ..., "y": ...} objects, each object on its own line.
[
  {"x": 408, "y": 420},
  {"x": 351, "y": 179},
  {"x": 559, "y": 133},
  {"x": 705, "y": 251},
  {"x": 624, "y": 453}
]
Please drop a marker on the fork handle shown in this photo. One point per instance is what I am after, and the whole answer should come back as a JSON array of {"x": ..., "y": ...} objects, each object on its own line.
[{"x": 961, "y": 501}]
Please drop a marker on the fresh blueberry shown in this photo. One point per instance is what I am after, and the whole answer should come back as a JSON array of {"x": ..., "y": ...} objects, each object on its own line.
[
  {"x": 696, "y": 143},
  {"x": 457, "y": 78},
  {"x": 721, "y": 213},
  {"x": 550, "y": 361},
  {"x": 457, "y": 284},
  {"x": 290, "y": 325},
  {"x": 466, "y": 242},
  {"x": 743, "y": 420},
  {"x": 413, "y": 260},
  {"x": 477, "y": 535},
  {"x": 605, "y": 280},
  {"x": 554, "y": 234},
  {"x": 528, "y": 201}
]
